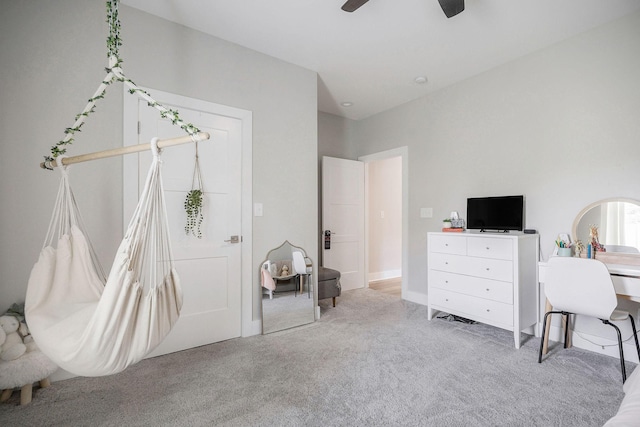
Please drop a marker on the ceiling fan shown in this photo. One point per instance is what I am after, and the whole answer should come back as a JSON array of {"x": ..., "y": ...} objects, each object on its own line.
[{"x": 449, "y": 7}]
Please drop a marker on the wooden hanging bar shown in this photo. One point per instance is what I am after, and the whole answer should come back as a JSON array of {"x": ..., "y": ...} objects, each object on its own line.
[{"x": 162, "y": 143}]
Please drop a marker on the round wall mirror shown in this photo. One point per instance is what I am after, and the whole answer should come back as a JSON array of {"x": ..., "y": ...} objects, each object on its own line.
[{"x": 618, "y": 222}]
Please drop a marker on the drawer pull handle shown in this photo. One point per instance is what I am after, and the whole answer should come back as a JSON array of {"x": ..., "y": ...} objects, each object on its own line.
[
  {"x": 488, "y": 268},
  {"x": 446, "y": 299},
  {"x": 487, "y": 289},
  {"x": 488, "y": 310},
  {"x": 488, "y": 248}
]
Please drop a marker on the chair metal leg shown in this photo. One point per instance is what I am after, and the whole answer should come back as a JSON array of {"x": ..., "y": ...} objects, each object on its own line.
[
  {"x": 566, "y": 317},
  {"x": 635, "y": 334},
  {"x": 622, "y": 367},
  {"x": 544, "y": 330}
]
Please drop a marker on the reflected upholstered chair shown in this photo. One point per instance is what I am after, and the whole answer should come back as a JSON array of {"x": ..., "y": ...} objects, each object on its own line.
[
  {"x": 329, "y": 284},
  {"x": 584, "y": 286}
]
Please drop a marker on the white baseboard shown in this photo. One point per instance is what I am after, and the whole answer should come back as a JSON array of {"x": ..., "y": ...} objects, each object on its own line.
[
  {"x": 383, "y": 275},
  {"x": 61, "y": 375},
  {"x": 254, "y": 329}
]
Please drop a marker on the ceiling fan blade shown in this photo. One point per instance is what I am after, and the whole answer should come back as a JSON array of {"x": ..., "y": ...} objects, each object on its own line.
[
  {"x": 451, "y": 7},
  {"x": 352, "y": 5}
]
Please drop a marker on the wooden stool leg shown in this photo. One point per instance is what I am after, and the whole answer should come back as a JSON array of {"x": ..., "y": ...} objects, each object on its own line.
[
  {"x": 45, "y": 383},
  {"x": 25, "y": 394},
  {"x": 545, "y": 346},
  {"x": 6, "y": 394},
  {"x": 334, "y": 301}
]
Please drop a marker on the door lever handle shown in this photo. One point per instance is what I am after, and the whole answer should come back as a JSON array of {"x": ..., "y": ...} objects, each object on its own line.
[{"x": 233, "y": 239}]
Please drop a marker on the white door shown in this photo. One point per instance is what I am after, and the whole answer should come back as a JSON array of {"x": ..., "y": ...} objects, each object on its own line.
[
  {"x": 209, "y": 267},
  {"x": 343, "y": 219}
]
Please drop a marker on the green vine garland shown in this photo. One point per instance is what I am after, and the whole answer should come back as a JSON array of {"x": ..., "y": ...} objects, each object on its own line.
[{"x": 114, "y": 72}]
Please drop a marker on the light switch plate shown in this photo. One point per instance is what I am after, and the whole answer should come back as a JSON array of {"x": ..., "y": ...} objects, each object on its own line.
[
  {"x": 257, "y": 209},
  {"x": 426, "y": 212}
]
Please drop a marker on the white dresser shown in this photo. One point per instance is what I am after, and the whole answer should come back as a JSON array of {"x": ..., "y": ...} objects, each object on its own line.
[{"x": 489, "y": 278}]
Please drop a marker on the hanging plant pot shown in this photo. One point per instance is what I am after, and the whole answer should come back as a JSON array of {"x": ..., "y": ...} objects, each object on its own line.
[{"x": 193, "y": 204}]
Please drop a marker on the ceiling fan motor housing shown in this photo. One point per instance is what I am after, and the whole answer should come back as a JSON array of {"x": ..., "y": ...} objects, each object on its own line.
[{"x": 451, "y": 7}]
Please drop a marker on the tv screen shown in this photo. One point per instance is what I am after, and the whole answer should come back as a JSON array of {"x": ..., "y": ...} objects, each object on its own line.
[{"x": 495, "y": 213}]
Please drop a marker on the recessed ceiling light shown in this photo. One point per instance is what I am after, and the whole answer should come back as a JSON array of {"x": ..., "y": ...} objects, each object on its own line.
[
  {"x": 346, "y": 104},
  {"x": 420, "y": 80}
]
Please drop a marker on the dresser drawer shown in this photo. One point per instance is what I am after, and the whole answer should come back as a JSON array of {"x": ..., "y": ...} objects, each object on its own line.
[
  {"x": 480, "y": 309},
  {"x": 488, "y": 247},
  {"x": 486, "y": 268},
  {"x": 448, "y": 244},
  {"x": 473, "y": 286},
  {"x": 496, "y": 269}
]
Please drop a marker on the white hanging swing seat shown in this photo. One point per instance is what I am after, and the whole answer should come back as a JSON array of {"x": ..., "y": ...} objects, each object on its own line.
[{"x": 89, "y": 327}]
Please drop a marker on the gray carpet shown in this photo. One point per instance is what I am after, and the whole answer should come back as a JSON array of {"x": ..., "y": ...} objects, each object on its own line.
[{"x": 373, "y": 360}]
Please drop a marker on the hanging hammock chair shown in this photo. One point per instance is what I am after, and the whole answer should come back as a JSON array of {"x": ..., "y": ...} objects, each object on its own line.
[
  {"x": 88, "y": 324},
  {"x": 91, "y": 328}
]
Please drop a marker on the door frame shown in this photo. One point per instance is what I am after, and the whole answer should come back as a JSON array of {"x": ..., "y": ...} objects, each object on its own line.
[
  {"x": 129, "y": 174},
  {"x": 403, "y": 153}
]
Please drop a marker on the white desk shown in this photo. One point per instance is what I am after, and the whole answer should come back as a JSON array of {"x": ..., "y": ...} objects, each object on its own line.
[{"x": 626, "y": 281}]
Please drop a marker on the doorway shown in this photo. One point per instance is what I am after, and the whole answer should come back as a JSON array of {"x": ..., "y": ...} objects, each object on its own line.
[
  {"x": 384, "y": 218},
  {"x": 386, "y": 221}
]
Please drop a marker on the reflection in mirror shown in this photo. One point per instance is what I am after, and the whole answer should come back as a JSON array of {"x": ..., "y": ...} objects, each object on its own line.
[
  {"x": 618, "y": 222},
  {"x": 287, "y": 294}
]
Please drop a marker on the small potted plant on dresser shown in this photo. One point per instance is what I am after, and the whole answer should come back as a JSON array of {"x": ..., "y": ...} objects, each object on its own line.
[{"x": 446, "y": 223}]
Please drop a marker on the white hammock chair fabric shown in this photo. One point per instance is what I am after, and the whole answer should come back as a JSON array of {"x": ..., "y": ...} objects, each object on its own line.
[{"x": 90, "y": 328}]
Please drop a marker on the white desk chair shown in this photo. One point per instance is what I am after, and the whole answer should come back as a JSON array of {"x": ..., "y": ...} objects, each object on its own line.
[
  {"x": 301, "y": 268},
  {"x": 584, "y": 286}
]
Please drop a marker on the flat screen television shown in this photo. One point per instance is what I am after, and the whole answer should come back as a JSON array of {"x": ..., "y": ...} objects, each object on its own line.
[{"x": 495, "y": 213}]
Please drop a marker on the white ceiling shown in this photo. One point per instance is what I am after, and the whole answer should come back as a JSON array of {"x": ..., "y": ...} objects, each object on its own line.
[{"x": 371, "y": 57}]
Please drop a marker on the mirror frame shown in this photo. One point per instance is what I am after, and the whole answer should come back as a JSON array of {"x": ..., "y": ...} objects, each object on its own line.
[{"x": 607, "y": 257}]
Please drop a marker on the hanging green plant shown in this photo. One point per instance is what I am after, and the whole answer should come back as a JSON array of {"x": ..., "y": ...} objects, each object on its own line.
[
  {"x": 193, "y": 204},
  {"x": 193, "y": 207}
]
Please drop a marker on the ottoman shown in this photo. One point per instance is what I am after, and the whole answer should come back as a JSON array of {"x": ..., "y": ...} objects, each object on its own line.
[{"x": 328, "y": 284}]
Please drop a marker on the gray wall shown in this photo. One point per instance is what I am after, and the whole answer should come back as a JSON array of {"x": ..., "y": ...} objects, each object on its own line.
[
  {"x": 53, "y": 59},
  {"x": 559, "y": 126}
]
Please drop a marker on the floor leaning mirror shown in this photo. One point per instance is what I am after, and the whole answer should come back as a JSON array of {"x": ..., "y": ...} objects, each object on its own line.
[{"x": 286, "y": 285}]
